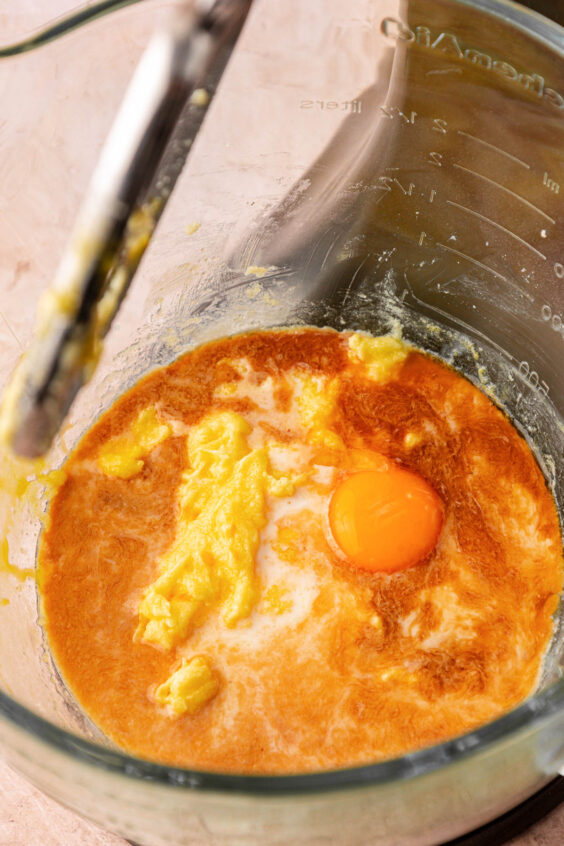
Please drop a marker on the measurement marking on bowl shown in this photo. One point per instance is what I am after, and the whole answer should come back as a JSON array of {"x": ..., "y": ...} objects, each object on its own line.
[
  {"x": 498, "y": 226},
  {"x": 484, "y": 267},
  {"x": 493, "y": 147},
  {"x": 555, "y": 320},
  {"x": 503, "y": 188},
  {"x": 471, "y": 259},
  {"x": 533, "y": 379}
]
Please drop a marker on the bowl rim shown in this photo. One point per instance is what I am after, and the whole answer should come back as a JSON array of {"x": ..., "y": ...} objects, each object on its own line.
[{"x": 529, "y": 716}]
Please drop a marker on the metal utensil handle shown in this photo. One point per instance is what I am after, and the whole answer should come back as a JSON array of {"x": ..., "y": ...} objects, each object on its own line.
[{"x": 140, "y": 162}]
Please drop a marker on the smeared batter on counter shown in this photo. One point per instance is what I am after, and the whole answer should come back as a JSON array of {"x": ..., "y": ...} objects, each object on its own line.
[{"x": 298, "y": 550}]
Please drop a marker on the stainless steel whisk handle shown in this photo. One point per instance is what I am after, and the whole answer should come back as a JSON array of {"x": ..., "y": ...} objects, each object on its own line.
[{"x": 140, "y": 162}]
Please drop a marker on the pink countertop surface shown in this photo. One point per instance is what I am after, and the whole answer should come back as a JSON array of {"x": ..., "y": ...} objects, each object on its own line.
[{"x": 28, "y": 818}]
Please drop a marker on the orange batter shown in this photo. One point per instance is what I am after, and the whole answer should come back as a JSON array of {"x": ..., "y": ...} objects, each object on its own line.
[{"x": 395, "y": 628}]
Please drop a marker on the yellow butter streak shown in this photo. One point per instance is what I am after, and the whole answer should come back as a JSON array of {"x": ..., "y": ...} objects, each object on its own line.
[
  {"x": 316, "y": 403},
  {"x": 123, "y": 456},
  {"x": 189, "y": 687},
  {"x": 210, "y": 565}
]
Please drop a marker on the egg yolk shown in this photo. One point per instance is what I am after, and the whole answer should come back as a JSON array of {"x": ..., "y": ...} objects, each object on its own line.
[{"x": 385, "y": 519}]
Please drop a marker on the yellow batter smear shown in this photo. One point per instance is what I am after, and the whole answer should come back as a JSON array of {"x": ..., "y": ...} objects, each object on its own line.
[
  {"x": 20, "y": 573},
  {"x": 22, "y": 481},
  {"x": 256, "y": 270}
]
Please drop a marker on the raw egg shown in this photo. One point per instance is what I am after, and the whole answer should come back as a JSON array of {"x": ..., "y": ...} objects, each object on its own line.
[{"x": 385, "y": 519}]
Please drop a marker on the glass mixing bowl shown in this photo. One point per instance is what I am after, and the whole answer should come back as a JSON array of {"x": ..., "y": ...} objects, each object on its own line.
[{"x": 395, "y": 161}]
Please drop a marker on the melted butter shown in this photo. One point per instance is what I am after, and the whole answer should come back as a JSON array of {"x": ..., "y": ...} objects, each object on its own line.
[
  {"x": 210, "y": 566},
  {"x": 123, "y": 456},
  {"x": 316, "y": 404},
  {"x": 189, "y": 687},
  {"x": 317, "y": 394},
  {"x": 381, "y": 355},
  {"x": 222, "y": 502}
]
